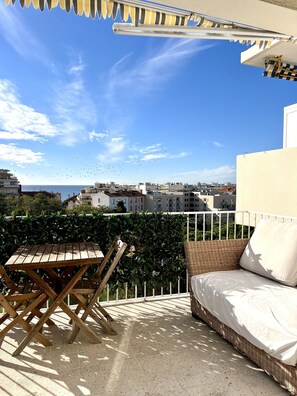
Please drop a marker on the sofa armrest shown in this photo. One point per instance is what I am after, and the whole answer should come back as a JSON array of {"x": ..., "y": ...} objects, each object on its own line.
[{"x": 208, "y": 256}]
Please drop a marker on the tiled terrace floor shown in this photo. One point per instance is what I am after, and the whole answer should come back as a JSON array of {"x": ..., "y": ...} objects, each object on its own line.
[{"x": 160, "y": 350}]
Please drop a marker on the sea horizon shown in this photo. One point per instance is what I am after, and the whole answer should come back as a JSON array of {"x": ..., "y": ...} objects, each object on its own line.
[{"x": 66, "y": 190}]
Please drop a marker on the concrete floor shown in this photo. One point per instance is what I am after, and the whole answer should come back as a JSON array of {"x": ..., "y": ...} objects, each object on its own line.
[{"x": 160, "y": 350}]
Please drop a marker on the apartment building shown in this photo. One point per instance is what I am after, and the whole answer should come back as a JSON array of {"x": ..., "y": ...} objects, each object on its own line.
[
  {"x": 146, "y": 187},
  {"x": 197, "y": 201},
  {"x": 175, "y": 187},
  {"x": 132, "y": 200},
  {"x": 71, "y": 202},
  {"x": 168, "y": 197},
  {"x": 162, "y": 202},
  {"x": 9, "y": 184},
  {"x": 85, "y": 197},
  {"x": 217, "y": 202}
]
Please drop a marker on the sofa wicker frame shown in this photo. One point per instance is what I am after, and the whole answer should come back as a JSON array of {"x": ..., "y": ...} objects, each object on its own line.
[{"x": 224, "y": 255}]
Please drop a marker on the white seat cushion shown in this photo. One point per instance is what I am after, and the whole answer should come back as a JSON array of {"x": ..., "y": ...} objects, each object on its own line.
[
  {"x": 259, "y": 309},
  {"x": 272, "y": 251}
]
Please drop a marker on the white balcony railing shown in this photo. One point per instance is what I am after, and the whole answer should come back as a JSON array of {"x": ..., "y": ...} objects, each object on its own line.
[{"x": 198, "y": 226}]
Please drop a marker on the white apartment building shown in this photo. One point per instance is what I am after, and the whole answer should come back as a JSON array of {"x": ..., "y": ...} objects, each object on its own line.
[
  {"x": 72, "y": 202},
  {"x": 161, "y": 202},
  {"x": 173, "y": 197},
  {"x": 132, "y": 200},
  {"x": 111, "y": 186},
  {"x": 9, "y": 184},
  {"x": 189, "y": 201},
  {"x": 197, "y": 201},
  {"x": 146, "y": 187},
  {"x": 173, "y": 187},
  {"x": 217, "y": 202},
  {"x": 85, "y": 196}
]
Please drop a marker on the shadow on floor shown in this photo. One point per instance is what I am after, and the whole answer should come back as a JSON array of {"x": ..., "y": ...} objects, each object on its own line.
[{"x": 159, "y": 350}]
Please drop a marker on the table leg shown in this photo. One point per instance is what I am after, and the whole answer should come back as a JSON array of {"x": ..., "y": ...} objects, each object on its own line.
[
  {"x": 18, "y": 318},
  {"x": 58, "y": 301},
  {"x": 36, "y": 312}
]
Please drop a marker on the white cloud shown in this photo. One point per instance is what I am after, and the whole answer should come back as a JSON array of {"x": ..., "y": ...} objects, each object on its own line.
[
  {"x": 19, "y": 121},
  {"x": 155, "y": 68},
  {"x": 217, "y": 144},
  {"x": 133, "y": 157},
  {"x": 113, "y": 150},
  {"x": 19, "y": 156},
  {"x": 21, "y": 38},
  {"x": 98, "y": 136},
  {"x": 153, "y": 152},
  {"x": 117, "y": 148},
  {"x": 77, "y": 67},
  {"x": 150, "y": 149},
  {"x": 18, "y": 135},
  {"x": 221, "y": 174},
  {"x": 149, "y": 157},
  {"x": 74, "y": 109},
  {"x": 116, "y": 145}
]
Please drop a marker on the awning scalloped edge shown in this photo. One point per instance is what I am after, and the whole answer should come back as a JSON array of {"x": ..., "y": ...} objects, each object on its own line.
[
  {"x": 109, "y": 9},
  {"x": 140, "y": 13}
]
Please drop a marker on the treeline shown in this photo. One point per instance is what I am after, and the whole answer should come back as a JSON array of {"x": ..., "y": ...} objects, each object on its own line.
[{"x": 41, "y": 204}]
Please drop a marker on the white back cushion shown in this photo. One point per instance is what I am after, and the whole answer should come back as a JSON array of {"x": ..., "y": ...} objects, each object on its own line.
[{"x": 272, "y": 251}]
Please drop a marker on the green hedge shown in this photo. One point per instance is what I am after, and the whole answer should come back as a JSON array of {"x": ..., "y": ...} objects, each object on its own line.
[{"x": 157, "y": 238}]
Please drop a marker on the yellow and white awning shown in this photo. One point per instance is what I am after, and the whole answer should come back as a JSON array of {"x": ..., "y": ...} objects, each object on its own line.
[
  {"x": 144, "y": 15},
  {"x": 275, "y": 68},
  {"x": 146, "y": 18},
  {"x": 139, "y": 12},
  {"x": 136, "y": 11}
]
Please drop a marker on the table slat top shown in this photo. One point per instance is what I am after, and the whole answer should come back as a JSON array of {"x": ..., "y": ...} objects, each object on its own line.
[{"x": 55, "y": 255}]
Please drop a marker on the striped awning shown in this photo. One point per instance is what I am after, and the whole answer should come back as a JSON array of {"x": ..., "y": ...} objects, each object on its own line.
[
  {"x": 146, "y": 13},
  {"x": 137, "y": 11},
  {"x": 275, "y": 68}
]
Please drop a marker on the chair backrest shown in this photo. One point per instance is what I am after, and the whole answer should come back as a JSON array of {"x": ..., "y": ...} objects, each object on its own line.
[
  {"x": 7, "y": 280},
  {"x": 108, "y": 255},
  {"x": 121, "y": 247}
]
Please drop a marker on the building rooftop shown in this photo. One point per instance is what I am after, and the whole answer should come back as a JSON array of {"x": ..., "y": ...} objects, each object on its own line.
[
  {"x": 73, "y": 198},
  {"x": 160, "y": 350},
  {"x": 124, "y": 193},
  {"x": 5, "y": 174}
]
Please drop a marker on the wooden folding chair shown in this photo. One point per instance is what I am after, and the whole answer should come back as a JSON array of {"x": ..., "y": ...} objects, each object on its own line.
[
  {"x": 21, "y": 300},
  {"x": 88, "y": 291}
]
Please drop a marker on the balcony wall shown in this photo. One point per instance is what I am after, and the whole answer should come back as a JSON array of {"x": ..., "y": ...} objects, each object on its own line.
[{"x": 266, "y": 182}]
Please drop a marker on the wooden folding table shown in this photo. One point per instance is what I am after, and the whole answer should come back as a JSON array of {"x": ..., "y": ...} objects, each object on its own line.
[{"x": 64, "y": 264}]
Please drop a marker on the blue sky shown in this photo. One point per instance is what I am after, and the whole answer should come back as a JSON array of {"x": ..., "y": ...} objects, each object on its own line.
[{"x": 79, "y": 104}]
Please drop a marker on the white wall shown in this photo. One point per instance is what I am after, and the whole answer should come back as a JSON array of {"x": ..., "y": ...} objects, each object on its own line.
[
  {"x": 104, "y": 199},
  {"x": 267, "y": 182},
  {"x": 290, "y": 126}
]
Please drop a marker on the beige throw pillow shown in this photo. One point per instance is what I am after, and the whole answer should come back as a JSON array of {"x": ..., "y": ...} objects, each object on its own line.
[{"x": 272, "y": 251}]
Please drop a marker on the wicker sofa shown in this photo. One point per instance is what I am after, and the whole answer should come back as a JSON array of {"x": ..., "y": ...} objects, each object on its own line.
[{"x": 205, "y": 257}]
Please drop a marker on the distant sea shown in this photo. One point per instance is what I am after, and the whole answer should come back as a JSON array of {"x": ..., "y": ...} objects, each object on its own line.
[{"x": 65, "y": 190}]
